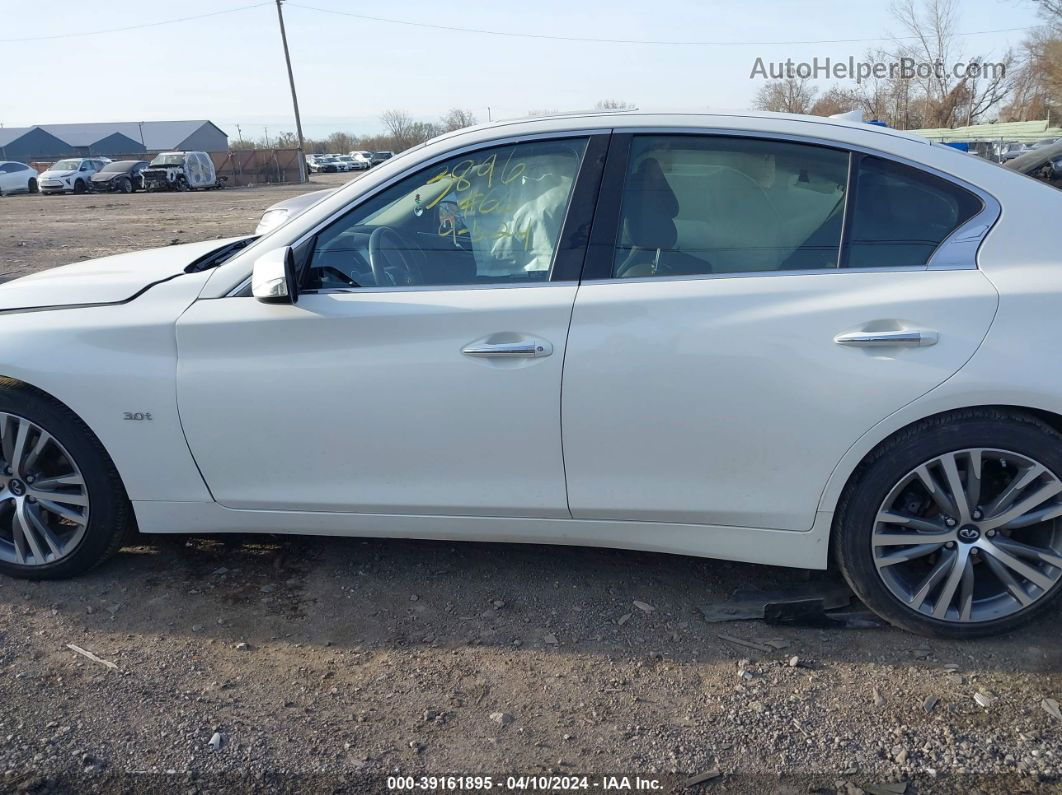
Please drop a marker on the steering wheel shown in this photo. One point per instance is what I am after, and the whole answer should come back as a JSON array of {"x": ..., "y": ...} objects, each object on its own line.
[{"x": 388, "y": 248}]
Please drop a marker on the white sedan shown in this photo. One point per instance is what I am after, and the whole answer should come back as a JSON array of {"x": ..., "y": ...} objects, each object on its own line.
[
  {"x": 17, "y": 178},
  {"x": 776, "y": 339}
]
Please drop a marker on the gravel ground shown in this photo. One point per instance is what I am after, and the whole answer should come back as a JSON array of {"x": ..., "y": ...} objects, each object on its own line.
[{"x": 325, "y": 665}]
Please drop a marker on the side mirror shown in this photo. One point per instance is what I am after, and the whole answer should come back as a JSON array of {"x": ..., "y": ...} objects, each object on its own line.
[{"x": 274, "y": 279}]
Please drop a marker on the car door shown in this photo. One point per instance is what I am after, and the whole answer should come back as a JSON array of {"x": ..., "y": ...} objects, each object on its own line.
[
  {"x": 750, "y": 308},
  {"x": 419, "y": 371},
  {"x": 8, "y": 175}
]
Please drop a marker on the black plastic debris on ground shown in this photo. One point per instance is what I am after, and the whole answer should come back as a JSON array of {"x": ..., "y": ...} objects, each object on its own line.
[{"x": 825, "y": 604}]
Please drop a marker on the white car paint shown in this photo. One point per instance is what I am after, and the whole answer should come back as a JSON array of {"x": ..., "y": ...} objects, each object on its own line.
[
  {"x": 16, "y": 177},
  {"x": 382, "y": 427},
  {"x": 65, "y": 175}
]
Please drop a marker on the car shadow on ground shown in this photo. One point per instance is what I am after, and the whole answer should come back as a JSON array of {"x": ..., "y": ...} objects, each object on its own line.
[{"x": 378, "y": 594}]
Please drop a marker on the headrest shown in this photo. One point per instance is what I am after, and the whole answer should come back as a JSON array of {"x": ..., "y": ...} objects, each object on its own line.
[{"x": 650, "y": 207}]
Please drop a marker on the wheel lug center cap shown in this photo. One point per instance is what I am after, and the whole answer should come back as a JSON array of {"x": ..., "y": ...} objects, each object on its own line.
[
  {"x": 968, "y": 533},
  {"x": 16, "y": 487}
]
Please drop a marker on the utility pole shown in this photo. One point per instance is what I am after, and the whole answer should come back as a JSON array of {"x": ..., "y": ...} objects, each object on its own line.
[{"x": 294, "y": 98}]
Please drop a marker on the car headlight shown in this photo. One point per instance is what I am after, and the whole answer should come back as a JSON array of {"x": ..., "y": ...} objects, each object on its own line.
[{"x": 271, "y": 219}]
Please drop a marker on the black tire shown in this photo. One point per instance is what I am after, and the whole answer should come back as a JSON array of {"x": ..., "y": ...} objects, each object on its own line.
[
  {"x": 182, "y": 184},
  {"x": 111, "y": 514},
  {"x": 32, "y": 186},
  {"x": 1002, "y": 429},
  {"x": 79, "y": 186},
  {"x": 125, "y": 185}
]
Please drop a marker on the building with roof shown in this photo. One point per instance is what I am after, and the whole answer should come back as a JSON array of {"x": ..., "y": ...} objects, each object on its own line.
[
  {"x": 1021, "y": 131},
  {"x": 45, "y": 141}
]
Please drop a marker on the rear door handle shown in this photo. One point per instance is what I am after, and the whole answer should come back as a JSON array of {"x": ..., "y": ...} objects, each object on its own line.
[
  {"x": 888, "y": 339},
  {"x": 523, "y": 349}
]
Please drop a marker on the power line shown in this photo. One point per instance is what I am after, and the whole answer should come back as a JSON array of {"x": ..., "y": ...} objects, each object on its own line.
[
  {"x": 135, "y": 27},
  {"x": 591, "y": 40}
]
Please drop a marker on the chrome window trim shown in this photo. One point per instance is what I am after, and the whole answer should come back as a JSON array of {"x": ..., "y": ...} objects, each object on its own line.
[
  {"x": 756, "y": 274},
  {"x": 958, "y": 251}
]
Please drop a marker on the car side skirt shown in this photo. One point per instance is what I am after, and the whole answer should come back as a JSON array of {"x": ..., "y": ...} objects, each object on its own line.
[{"x": 798, "y": 549}]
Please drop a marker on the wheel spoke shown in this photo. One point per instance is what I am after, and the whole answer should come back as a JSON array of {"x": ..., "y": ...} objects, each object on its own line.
[
  {"x": 883, "y": 539},
  {"x": 1033, "y": 575},
  {"x": 904, "y": 555},
  {"x": 43, "y": 530},
  {"x": 1005, "y": 577},
  {"x": 20, "y": 446},
  {"x": 932, "y": 580},
  {"x": 955, "y": 487},
  {"x": 935, "y": 491},
  {"x": 1037, "y": 498},
  {"x": 23, "y": 524},
  {"x": 1021, "y": 479},
  {"x": 43, "y": 439},
  {"x": 966, "y": 591},
  {"x": 65, "y": 498},
  {"x": 947, "y": 591},
  {"x": 914, "y": 522},
  {"x": 62, "y": 512},
  {"x": 7, "y": 438},
  {"x": 1028, "y": 551},
  {"x": 973, "y": 479},
  {"x": 72, "y": 479}
]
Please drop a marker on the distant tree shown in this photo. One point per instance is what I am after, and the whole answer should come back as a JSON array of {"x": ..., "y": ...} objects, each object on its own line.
[
  {"x": 543, "y": 112},
  {"x": 456, "y": 119},
  {"x": 792, "y": 95},
  {"x": 404, "y": 131}
]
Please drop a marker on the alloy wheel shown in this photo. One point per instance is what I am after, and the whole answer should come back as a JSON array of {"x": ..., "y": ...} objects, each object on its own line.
[
  {"x": 972, "y": 535},
  {"x": 44, "y": 503}
]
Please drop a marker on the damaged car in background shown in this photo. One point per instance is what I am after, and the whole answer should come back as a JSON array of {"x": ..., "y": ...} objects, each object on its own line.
[
  {"x": 181, "y": 171},
  {"x": 772, "y": 339},
  {"x": 121, "y": 176}
]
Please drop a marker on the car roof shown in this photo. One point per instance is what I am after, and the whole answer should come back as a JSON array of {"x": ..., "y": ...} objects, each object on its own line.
[{"x": 638, "y": 119}]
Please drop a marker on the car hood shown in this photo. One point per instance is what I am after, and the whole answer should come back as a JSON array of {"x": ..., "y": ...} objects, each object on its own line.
[
  {"x": 106, "y": 176},
  {"x": 57, "y": 174},
  {"x": 107, "y": 280}
]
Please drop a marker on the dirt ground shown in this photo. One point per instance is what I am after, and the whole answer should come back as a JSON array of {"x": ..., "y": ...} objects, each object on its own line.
[{"x": 327, "y": 665}]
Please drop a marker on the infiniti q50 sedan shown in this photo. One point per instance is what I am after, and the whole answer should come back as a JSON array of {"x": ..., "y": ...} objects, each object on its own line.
[{"x": 778, "y": 339}]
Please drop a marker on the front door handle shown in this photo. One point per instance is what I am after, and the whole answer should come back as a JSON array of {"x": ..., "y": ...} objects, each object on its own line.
[
  {"x": 522, "y": 349},
  {"x": 888, "y": 339}
]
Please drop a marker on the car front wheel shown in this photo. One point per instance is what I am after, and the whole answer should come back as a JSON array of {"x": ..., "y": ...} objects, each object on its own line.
[
  {"x": 953, "y": 527},
  {"x": 63, "y": 509}
]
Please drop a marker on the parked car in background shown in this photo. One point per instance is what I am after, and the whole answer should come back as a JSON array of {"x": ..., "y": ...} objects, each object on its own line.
[
  {"x": 363, "y": 157},
  {"x": 71, "y": 175},
  {"x": 280, "y": 212},
  {"x": 319, "y": 164},
  {"x": 753, "y": 362},
  {"x": 1011, "y": 151},
  {"x": 380, "y": 157},
  {"x": 17, "y": 178},
  {"x": 181, "y": 171},
  {"x": 1043, "y": 163},
  {"x": 351, "y": 163},
  {"x": 121, "y": 176}
]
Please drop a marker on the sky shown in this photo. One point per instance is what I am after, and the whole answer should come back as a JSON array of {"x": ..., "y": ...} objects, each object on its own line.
[{"x": 229, "y": 68}]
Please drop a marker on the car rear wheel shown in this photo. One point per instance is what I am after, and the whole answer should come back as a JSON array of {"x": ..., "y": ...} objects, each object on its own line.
[
  {"x": 79, "y": 186},
  {"x": 32, "y": 186},
  {"x": 63, "y": 509},
  {"x": 953, "y": 527}
]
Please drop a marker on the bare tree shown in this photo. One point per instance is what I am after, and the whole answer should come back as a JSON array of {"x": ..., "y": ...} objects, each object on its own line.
[
  {"x": 792, "y": 95},
  {"x": 456, "y": 119},
  {"x": 404, "y": 131},
  {"x": 929, "y": 27}
]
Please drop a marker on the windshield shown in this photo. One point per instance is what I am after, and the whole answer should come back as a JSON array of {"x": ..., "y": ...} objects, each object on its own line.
[
  {"x": 66, "y": 165},
  {"x": 382, "y": 155},
  {"x": 168, "y": 160}
]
